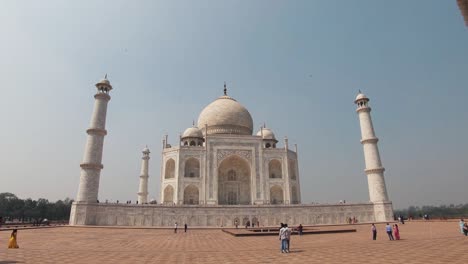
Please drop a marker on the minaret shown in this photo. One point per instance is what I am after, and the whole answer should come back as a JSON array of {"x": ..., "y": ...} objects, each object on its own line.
[
  {"x": 374, "y": 169},
  {"x": 143, "y": 189},
  {"x": 91, "y": 165}
]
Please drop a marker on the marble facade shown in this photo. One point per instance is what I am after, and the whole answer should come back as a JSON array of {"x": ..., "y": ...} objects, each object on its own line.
[{"x": 219, "y": 173}]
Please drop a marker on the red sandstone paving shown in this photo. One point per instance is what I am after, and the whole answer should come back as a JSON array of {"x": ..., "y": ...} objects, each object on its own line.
[{"x": 422, "y": 242}]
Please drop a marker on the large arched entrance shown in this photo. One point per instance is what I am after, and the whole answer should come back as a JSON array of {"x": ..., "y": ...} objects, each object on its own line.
[{"x": 234, "y": 181}]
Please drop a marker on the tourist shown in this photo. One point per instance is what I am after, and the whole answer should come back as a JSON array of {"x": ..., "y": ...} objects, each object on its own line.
[
  {"x": 462, "y": 224},
  {"x": 236, "y": 224},
  {"x": 299, "y": 228},
  {"x": 185, "y": 227},
  {"x": 465, "y": 229},
  {"x": 389, "y": 230},
  {"x": 12, "y": 243},
  {"x": 282, "y": 238},
  {"x": 374, "y": 232},
  {"x": 288, "y": 237},
  {"x": 175, "y": 227},
  {"x": 396, "y": 231}
]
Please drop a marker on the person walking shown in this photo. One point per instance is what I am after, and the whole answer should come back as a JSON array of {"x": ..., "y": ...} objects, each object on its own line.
[
  {"x": 374, "y": 232},
  {"x": 185, "y": 227},
  {"x": 462, "y": 224},
  {"x": 396, "y": 231},
  {"x": 13, "y": 243},
  {"x": 465, "y": 229},
  {"x": 175, "y": 228},
  {"x": 389, "y": 230},
  {"x": 283, "y": 237}
]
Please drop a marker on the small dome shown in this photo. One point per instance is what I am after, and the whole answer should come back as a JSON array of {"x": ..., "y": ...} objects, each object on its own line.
[
  {"x": 267, "y": 133},
  {"x": 193, "y": 132},
  {"x": 104, "y": 81},
  {"x": 226, "y": 116},
  {"x": 146, "y": 150},
  {"x": 361, "y": 96}
]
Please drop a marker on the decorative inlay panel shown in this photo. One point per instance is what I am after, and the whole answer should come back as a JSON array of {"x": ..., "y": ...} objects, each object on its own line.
[{"x": 223, "y": 153}]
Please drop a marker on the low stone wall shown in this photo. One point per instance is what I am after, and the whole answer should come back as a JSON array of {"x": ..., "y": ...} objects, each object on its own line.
[{"x": 266, "y": 215}]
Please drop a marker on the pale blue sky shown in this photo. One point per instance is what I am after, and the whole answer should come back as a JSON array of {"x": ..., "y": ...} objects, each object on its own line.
[{"x": 296, "y": 65}]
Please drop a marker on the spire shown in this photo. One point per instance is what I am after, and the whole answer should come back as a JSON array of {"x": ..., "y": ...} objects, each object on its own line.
[
  {"x": 359, "y": 91},
  {"x": 193, "y": 123},
  {"x": 264, "y": 124},
  {"x": 105, "y": 76},
  {"x": 225, "y": 89}
]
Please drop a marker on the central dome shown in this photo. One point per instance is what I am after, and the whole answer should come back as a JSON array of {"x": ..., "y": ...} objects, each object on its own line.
[{"x": 226, "y": 116}]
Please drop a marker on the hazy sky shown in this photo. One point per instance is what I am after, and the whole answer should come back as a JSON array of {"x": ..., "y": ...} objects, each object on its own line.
[{"x": 296, "y": 65}]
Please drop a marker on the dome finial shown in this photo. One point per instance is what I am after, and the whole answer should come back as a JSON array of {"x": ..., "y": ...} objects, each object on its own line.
[
  {"x": 264, "y": 124},
  {"x": 105, "y": 76},
  {"x": 193, "y": 123},
  {"x": 225, "y": 89},
  {"x": 359, "y": 91}
]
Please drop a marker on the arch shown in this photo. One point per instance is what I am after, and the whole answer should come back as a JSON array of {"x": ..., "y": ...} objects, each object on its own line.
[
  {"x": 168, "y": 194},
  {"x": 192, "y": 168},
  {"x": 255, "y": 221},
  {"x": 236, "y": 221},
  {"x": 191, "y": 195},
  {"x": 246, "y": 221},
  {"x": 292, "y": 169},
  {"x": 275, "y": 169},
  {"x": 276, "y": 195},
  {"x": 268, "y": 145},
  {"x": 234, "y": 181},
  {"x": 170, "y": 169},
  {"x": 192, "y": 143},
  {"x": 294, "y": 198}
]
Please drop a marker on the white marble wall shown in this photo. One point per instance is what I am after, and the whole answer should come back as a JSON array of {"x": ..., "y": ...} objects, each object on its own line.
[
  {"x": 220, "y": 147},
  {"x": 268, "y": 215}
]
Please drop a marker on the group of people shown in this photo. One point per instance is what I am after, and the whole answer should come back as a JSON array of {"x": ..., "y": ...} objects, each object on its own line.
[
  {"x": 463, "y": 227},
  {"x": 392, "y": 232},
  {"x": 285, "y": 237}
]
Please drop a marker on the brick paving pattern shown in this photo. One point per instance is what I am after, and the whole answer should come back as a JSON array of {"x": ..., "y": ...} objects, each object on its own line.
[{"x": 422, "y": 242}]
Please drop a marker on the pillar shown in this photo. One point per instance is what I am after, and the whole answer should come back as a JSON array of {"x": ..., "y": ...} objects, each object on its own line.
[
  {"x": 143, "y": 188},
  {"x": 91, "y": 166},
  {"x": 374, "y": 168}
]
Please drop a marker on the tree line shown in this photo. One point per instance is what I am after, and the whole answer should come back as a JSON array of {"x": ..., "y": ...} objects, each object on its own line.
[
  {"x": 434, "y": 212},
  {"x": 33, "y": 211}
]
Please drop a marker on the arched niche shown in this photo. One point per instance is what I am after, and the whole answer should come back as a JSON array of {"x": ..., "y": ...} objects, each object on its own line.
[
  {"x": 168, "y": 194},
  {"x": 234, "y": 181},
  {"x": 191, "y": 195},
  {"x": 169, "y": 169},
  {"x": 276, "y": 195},
  {"x": 294, "y": 195},
  {"x": 292, "y": 169},
  {"x": 192, "y": 168},
  {"x": 275, "y": 169}
]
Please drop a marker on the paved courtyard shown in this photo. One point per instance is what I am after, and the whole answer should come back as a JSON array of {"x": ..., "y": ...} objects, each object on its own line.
[{"x": 422, "y": 242}]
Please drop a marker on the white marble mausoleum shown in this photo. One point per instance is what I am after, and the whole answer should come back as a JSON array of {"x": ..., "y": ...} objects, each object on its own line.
[
  {"x": 220, "y": 173},
  {"x": 220, "y": 162}
]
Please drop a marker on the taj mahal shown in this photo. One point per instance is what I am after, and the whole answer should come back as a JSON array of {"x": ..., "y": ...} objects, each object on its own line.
[{"x": 222, "y": 173}]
